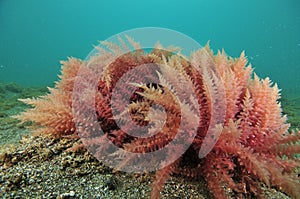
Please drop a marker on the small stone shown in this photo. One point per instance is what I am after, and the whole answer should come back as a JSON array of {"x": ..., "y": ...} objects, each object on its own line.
[
  {"x": 3, "y": 156},
  {"x": 14, "y": 160},
  {"x": 70, "y": 194}
]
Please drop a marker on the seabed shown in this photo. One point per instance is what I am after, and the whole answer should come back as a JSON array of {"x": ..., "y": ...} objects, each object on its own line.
[{"x": 43, "y": 167}]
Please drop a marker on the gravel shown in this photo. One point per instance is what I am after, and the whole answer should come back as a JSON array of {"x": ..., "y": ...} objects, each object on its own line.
[{"x": 44, "y": 167}]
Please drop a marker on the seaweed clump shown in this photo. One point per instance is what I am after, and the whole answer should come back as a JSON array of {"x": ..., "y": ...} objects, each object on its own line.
[{"x": 254, "y": 146}]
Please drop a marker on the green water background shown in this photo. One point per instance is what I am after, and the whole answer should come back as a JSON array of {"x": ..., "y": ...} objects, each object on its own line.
[{"x": 36, "y": 34}]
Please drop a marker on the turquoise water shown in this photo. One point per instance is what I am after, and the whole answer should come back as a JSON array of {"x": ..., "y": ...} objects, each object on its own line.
[{"x": 35, "y": 34}]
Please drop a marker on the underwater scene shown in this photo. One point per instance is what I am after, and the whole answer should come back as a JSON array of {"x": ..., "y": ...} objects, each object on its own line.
[{"x": 149, "y": 99}]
